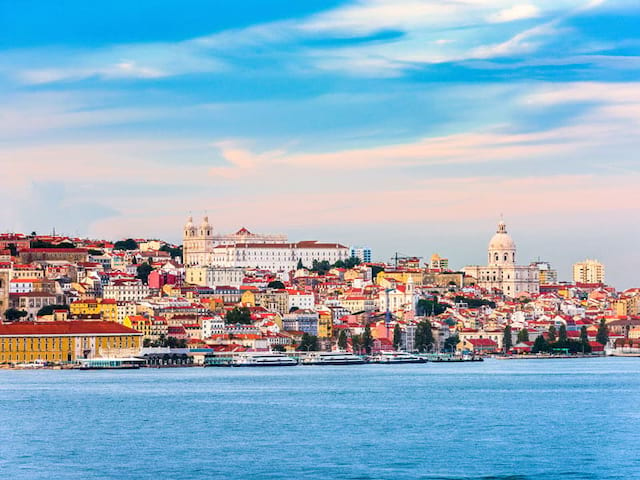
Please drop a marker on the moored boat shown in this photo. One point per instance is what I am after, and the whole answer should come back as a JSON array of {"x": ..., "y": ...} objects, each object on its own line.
[
  {"x": 332, "y": 358},
  {"x": 110, "y": 363},
  {"x": 266, "y": 359},
  {"x": 396, "y": 357}
]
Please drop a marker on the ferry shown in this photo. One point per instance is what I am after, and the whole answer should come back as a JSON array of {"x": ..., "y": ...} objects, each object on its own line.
[
  {"x": 263, "y": 360},
  {"x": 110, "y": 363},
  {"x": 332, "y": 358},
  {"x": 396, "y": 357}
]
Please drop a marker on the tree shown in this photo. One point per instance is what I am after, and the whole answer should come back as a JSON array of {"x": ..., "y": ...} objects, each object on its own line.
[
  {"x": 507, "y": 340},
  {"x": 539, "y": 345},
  {"x": 352, "y": 262},
  {"x": 523, "y": 335},
  {"x": 308, "y": 343},
  {"x": 173, "y": 251},
  {"x": 300, "y": 266},
  {"x": 451, "y": 343},
  {"x": 342, "y": 340},
  {"x": 276, "y": 284},
  {"x": 356, "y": 343},
  {"x": 321, "y": 267},
  {"x": 375, "y": 270},
  {"x": 424, "y": 336},
  {"x": 144, "y": 269},
  {"x": 602, "y": 336},
  {"x": 552, "y": 333},
  {"x": 584, "y": 336},
  {"x": 239, "y": 315},
  {"x": 397, "y": 337},
  {"x": 128, "y": 244},
  {"x": 14, "y": 314},
  {"x": 429, "y": 307},
  {"x": 475, "y": 302},
  {"x": 278, "y": 348},
  {"x": 562, "y": 334},
  {"x": 367, "y": 339},
  {"x": 13, "y": 249},
  {"x": 48, "y": 309}
]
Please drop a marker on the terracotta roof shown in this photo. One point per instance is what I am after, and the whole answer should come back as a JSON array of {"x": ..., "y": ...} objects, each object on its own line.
[{"x": 65, "y": 328}]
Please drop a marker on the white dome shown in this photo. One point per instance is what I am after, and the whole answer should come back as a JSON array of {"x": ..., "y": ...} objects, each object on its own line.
[
  {"x": 502, "y": 240},
  {"x": 189, "y": 223}
]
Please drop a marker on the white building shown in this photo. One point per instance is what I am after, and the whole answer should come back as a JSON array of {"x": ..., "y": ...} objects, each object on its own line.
[
  {"x": 244, "y": 249},
  {"x": 207, "y": 276},
  {"x": 401, "y": 298},
  {"x": 212, "y": 326},
  {"x": 126, "y": 290},
  {"x": 301, "y": 300},
  {"x": 502, "y": 273}
]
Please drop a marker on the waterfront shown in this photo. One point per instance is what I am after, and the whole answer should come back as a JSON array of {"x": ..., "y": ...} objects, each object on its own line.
[{"x": 571, "y": 419}]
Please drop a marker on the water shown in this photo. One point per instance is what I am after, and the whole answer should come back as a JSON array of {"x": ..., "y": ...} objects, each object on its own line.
[{"x": 503, "y": 420}]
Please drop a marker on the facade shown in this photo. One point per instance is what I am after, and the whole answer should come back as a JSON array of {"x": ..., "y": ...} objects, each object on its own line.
[
  {"x": 66, "y": 341},
  {"x": 4, "y": 291},
  {"x": 589, "y": 271},
  {"x": 547, "y": 275},
  {"x": 362, "y": 253},
  {"x": 438, "y": 263},
  {"x": 208, "y": 276},
  {"x": 301, "y": 321},
  {"x": 73, "y": 255},
  {"x": 107, "y": 309},
  {"x": 126, "y": 290},
  {"x": 243, "y": 249},
  {"x": 501, "y": 272}
]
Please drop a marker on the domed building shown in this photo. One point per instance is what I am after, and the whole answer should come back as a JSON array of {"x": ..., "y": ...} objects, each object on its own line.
[{"x": 502, "y": 273}]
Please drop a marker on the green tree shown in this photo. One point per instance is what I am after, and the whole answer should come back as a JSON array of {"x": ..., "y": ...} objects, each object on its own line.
[
  {"x": 375, "y": 270},
  {"x": 276, "y": 284},
  {"x": 240, "y": 315},
  {"x": 475, "y": 302},
  {"x": 13, "y": 249},
  {"x": 128, "y": 244},
  {"x": 367, "y": 339},
  {"x": 352, "y": 262},
  {"x": 523, "y": 335},
  {"x": 342, "y": 340},
  {"x": 584, "y": 336},
  {"x": 562, "y": 333},
  {"x": 14, "y": 314},
  {"x": 144, "y": 269},
  {"x": 602, "y": 336},
  {"x": 308, "y": 343},
  {"x": 356, "y": 343},
  {"x": 397, "y": 337},
  {"x": 174, "y": 252},
  {"x": 553, "y": 334},
  {"x": 48, "y": 309},
  {"x": 300, "y": 266},
  {"x": 451, "y": 343},
  {"x": 507, "y": 340},
  {"x": 429, "y": 307},
  {"x": 321, "y": 267},
  {"x": 424, "y": 336},
  {"x": 278, "y": 348},
  {"x": 539, "y": 345}
]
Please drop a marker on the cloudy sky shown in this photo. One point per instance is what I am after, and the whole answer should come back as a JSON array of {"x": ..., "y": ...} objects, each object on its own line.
[{"x": 406, "y": 125}]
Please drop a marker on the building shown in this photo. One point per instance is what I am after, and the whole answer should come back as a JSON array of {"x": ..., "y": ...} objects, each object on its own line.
[
  {"x": 106, "y": 308},
  {"x": 361, "y": 253},
  {"x": 73, "y": 255},
  {"x": 546, "y": 274},
  {"x": 208, "y": 276},
  {"x": 244, "y": 249},
  {"x": 438, "y": 263},
  {"x": 501, "y": 273},
  {"x": 589, "y": 271},
  {"x": 4, "y": 291},
  {"x": 126, "y": 290},
  {"x": 301, "y": 321},
  {"x": 66, "y": 341}
]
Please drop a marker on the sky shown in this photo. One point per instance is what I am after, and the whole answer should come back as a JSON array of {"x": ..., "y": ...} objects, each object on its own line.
[{"x": 409, "y": 126}]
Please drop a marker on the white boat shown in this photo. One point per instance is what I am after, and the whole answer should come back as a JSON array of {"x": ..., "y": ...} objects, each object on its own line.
[
  {"x": 255, "y": 359},
  {"x": 332, "y": 358},
  {"x": 396, "y": 357}
]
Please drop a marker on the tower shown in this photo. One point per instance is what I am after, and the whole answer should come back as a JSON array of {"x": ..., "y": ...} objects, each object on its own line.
[
  {"x": 197, "y": 242},
  {"x": 502, "y": 248}
]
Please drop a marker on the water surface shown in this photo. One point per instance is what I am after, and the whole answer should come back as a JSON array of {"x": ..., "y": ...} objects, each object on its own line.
[{"x": 518, "y": 420}]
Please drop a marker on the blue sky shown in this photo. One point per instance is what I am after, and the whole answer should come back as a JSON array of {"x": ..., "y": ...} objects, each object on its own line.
[{"x": 408, "y": 125}]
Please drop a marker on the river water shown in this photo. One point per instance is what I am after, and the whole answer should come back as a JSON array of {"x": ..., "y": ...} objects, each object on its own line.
[{"x": 503, "y": 420}]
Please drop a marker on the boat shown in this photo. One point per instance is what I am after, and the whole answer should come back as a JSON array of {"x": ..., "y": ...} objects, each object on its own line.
[
  {"x": 110, "y": 363},
  {"x": 396, "y": 357},
  {"x": 266, "y": 359},
  {"x": 332, "y": 358}
]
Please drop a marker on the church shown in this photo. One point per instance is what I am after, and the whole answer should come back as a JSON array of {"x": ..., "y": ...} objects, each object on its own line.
[{"x": 501, "y": 272}]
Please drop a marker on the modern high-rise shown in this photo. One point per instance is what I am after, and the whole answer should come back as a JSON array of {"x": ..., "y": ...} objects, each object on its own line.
[
  {"x": 362, "y": 253},
  {"x": 548, "y": 276},
  {"x": 588, "y": 271}
]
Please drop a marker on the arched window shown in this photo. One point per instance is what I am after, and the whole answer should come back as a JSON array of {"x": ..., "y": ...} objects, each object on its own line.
[
  {"x": 506, "y": 257},
  {"x": 497, "y": 257}
]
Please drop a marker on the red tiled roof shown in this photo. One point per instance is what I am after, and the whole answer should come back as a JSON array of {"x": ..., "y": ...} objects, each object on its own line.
[{"x": 65, "y": 328}]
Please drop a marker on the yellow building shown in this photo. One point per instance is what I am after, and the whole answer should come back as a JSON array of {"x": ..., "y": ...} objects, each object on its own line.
[
  {"x": 22, "y": 342},
  {"x": 386, "y": 279},
  {"x": 325, "y": 323},
  {"x": 107, "y": 308},
  {"x": 589, "y": 271},
  {"x": 152, "y": 328}
]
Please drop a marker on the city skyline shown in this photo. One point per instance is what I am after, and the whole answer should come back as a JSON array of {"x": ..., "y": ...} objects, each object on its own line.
[{"x": 408, "y": 126}]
